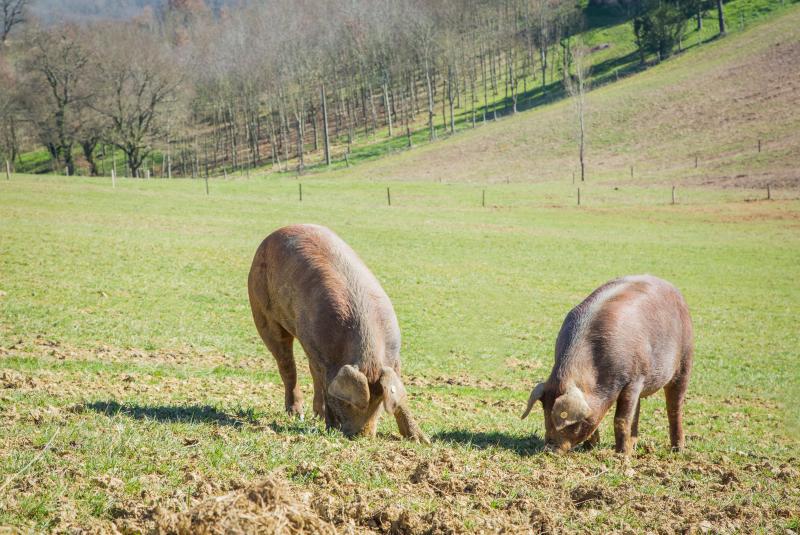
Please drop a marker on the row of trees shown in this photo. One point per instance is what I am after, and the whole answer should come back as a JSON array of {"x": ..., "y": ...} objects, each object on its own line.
[{"x": 271, "y": 81}]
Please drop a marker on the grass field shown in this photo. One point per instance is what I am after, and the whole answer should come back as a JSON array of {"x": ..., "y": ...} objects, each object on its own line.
[
  {"x": 135, "y": 395},
  {"x": 132, "y": 377}
]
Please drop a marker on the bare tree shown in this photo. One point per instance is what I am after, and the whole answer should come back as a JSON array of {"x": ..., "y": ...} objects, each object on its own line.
[
  {"x": 56, "y": 89},
  {"x": 576, "y": 80},
  {"x": 13, "y": 13},
  {"x": 138, "y": 80}
]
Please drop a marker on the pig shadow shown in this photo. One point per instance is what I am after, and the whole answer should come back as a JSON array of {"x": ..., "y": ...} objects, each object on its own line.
[
  {"x": 172, "y": 413},
  {"x": 521, "y": 445}
]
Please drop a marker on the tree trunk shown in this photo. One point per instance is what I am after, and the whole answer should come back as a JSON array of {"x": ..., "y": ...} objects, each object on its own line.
[
  {"x": 387, "y": 108},
  {"x": 721, "y": 16},
  {"x": 431, "y": 128},
  {"x": 582, "y": 150},
  {"x": 325, "y": 138},
  {"x": 88, "y": 153}
]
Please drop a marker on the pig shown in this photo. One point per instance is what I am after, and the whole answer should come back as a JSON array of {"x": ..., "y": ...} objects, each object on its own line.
[
  {"x": 306, "y": 283},
  {"x": 630, "y": 338}
]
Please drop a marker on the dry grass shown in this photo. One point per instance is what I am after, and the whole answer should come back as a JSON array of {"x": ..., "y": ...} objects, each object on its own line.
[{"x": 714, "y": 102}]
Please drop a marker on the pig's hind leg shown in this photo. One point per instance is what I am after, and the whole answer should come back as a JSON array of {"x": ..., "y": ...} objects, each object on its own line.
[
  {"x": 675, "y": 392},
  {"x": 279, "y": 342}
]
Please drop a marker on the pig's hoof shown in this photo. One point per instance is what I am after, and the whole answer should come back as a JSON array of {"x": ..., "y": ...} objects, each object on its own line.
[
  {"x": 422, "y": 438},
  {"x": 296, "y": 411}
]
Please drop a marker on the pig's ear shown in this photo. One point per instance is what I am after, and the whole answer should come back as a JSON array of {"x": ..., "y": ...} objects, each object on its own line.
[
  {"x": 570, "y": 408},
  {"x": 350, "y": 385},
  {"x": 536, "y": 395},
  {"x": 394, "y": 393}
]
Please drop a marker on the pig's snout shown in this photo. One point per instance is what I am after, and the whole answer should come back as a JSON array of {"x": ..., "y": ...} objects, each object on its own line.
[{"x": 557, "y": 448}]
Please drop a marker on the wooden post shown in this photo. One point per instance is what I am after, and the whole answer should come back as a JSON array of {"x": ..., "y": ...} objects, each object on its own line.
[
  {"x": 388, "y": 197},
  {"x": 573, "y": 177},
  {"x": 483, "y": 199},
  {"x": 206, "y": 178},
  {"x": 759, "y": 145},
  {"x": 300, "y": 190},
  {"x": 769, "y": 193},
  {"x": 8, "y": 170},
  {"x": 631, "y": 171},
  {"x": 695, "y": 161},
  {"x": 579, "y": 196},
  {"x": 673, "y": 194}
]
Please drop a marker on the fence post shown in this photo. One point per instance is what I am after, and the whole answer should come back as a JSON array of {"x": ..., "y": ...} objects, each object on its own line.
[
  {"x": 579, "y": 196},
  {"x": 631, "y": 171},
  {"x": 759, "y": 145},
  {"x": 695, "y": 161},
  {"x": 388, "y": 197},
  {"x": 769, "y": 193},
  {"x": 8, "y": 170},
  {"x": 483, "y": 199},
  {"x": 673, "y": 194},
  {"x": 300, "y": 190}
]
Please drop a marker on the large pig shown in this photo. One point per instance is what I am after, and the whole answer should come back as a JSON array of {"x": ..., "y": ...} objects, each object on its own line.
[
  {"x": 306, "y": 283},
  {"x": 627, "y": 340}
]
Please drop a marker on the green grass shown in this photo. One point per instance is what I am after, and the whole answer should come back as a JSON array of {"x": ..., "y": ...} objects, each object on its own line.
[{"x": 148, "y": 365}]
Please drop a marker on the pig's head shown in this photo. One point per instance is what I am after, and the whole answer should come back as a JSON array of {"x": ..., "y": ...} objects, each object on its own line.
[
  {"x": 568, "y": 418},
  {"x": 352, "y": 405}
]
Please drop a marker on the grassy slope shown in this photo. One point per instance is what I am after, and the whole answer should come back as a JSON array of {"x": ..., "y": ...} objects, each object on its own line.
[
  {"x": 125, "y": 337},
  {"x": 715, "y": 102},
  {"x": 617, "y": 58}
]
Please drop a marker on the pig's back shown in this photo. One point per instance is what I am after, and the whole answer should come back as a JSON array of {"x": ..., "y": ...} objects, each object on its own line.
[
  {"x": 317, "y": 287},
  {"x": 630, "y": 327}
]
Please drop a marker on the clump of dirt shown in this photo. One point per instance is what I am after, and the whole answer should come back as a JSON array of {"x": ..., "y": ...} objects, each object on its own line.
[
  {"x": 265, "y": 507},
  {"x": 591, "y": 496},
  {"x": 444, "y": 476},
  {"x": 11, "y": 379}
]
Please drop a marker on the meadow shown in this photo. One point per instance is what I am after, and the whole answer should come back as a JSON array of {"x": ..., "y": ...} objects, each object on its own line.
[
  {"x": 136, "y": 396},
  {"x": 133, "y": 384}
]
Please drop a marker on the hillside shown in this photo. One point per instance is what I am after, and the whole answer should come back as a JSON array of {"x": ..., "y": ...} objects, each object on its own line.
[{"x": 715, "y": 102}]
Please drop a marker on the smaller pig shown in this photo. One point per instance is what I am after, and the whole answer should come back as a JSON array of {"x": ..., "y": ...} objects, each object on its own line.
[{"x": 630, "y": 338}]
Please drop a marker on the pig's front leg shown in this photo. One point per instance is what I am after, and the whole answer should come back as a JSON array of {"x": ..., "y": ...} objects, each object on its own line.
[
  {"x": 624, "y": 418},
  {"x": 319, "y": 392},
  {"x": 408, "y": 426},
  {"x": 593, "y": 440}
]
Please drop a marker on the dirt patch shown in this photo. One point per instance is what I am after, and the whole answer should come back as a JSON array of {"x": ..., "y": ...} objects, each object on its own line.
[
  {"x": 15, "y": 380},
  {"x": 265, "y": 507}
]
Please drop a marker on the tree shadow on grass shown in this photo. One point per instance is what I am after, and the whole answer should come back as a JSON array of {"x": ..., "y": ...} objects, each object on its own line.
[
  {"x": 173, "y": 413},
  {"x": 521, "y": 445}
]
